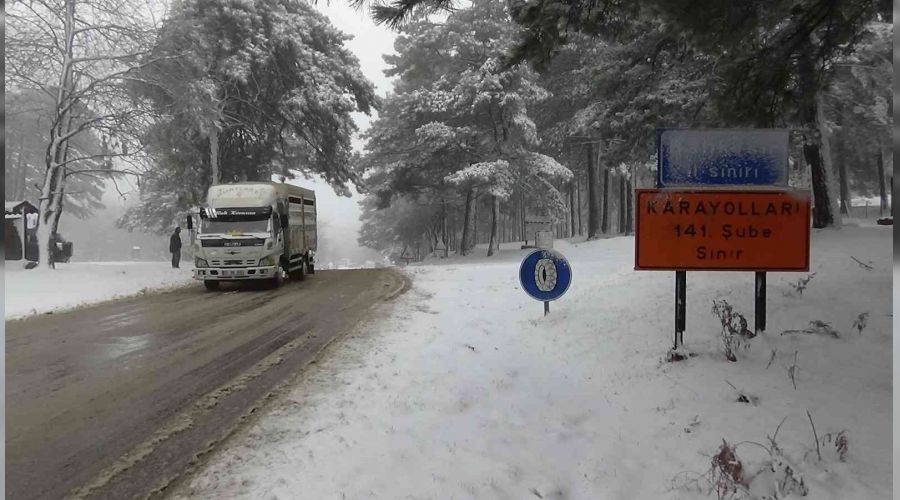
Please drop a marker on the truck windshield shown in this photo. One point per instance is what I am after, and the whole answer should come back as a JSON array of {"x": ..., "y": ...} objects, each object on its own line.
[{"x": 218, "y": 226}]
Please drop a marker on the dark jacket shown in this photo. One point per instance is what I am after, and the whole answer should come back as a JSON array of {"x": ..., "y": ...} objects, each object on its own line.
[{"x": 175, "y": 243}]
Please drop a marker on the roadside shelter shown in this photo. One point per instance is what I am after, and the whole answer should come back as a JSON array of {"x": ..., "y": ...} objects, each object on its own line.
[{"x": 20, "y": 223}]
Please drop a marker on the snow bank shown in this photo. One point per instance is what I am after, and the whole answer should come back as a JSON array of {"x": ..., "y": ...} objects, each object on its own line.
[
  {"x": 38, "y": 290},
  {"x": 464, "y": 389}
]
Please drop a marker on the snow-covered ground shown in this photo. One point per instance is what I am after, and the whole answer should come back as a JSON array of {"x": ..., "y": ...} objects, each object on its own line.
[
  {"x": 35, "y": 291},
  {"x": 464, "y": 389}
]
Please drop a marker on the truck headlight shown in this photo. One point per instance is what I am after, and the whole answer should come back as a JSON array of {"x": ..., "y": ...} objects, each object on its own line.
[
  {"x": 267, "y": 261},
  {"x": 200, "y": 263}
]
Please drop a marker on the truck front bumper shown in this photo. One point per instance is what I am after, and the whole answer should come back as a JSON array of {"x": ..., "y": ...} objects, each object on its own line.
[{"x": 234, "y": 273}]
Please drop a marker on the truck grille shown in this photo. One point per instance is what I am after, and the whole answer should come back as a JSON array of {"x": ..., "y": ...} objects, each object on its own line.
[
  {"x": 235, "y": 242},
  {"x": 233, "y": 262}
]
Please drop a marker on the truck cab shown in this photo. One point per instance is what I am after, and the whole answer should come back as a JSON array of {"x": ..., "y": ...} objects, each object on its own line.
[{"x": 254, "y": 231}]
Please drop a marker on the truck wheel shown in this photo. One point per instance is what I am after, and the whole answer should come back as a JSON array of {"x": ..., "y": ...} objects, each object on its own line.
[
  {"x": 278, "y": 279},
  {"x": 211, "y": 285},
  {"x": 300, "y": 273}
]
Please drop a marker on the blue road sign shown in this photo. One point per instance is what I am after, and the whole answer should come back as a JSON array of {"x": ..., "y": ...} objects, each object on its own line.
[
  {"x": 722, "y": 157},
  {"x": 545, "y": 275}
]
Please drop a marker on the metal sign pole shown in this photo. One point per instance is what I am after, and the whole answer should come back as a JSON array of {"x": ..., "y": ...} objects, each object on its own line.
[
  {"x": 760, "y": 300},
  {"x": 680, "y": 307},
  {"x": 546, "y": 307}
]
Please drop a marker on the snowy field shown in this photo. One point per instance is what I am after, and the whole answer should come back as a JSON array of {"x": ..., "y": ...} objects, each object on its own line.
[
  {"x": 464, "y": 390},
  {"x": 36, "y": 291}
]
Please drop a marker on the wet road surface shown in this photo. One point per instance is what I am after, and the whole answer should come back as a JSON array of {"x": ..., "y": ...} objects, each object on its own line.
[{"x": 120, "y": 399}]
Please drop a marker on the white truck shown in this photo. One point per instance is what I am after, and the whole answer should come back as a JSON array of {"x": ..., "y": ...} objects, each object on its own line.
[{"x": 254, "y": 231}]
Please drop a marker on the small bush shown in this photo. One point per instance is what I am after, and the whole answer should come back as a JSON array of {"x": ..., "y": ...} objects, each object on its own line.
[
  {"x": 798, "y": 287},
  {"x": 860, "y": 322},
  {"x": 727, "y": 471},
  {"x": 730, "y": 478},
  {"x": 734, "y": 332},
  {"x": 840, "y": 442}
]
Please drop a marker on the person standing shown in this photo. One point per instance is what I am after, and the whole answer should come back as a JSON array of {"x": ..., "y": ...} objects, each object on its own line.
[{"x": 175, "y": 247}]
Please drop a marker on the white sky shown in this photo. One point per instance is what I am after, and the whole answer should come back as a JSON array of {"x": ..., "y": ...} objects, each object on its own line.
[{"x": 370, "y": 43}]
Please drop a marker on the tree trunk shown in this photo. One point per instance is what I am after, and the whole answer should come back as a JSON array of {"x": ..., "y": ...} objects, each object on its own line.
[
  {"x": 493, "y": 245},
  {"x": 882, "y": 189},
  {"x": 845, "y": 189},
  {"x": 54, "y": 177},
  {"x": 468, "y": 237},
  {"x": 621, "y": 203},
  {"x": 822, "y": 215},
  {"x": 604, "y": 223},
  {"x": 57, "y": 209},
  {"x": 523, "y": 209},
  {"x": 214, "y": 153},
  {"x": 815, "y": 146},
  {"x": 22, "y": 174},
  {"x": 831, "y": 176},
  {"x": 474, "y": 221},
  {"x": 629, "y": 209},
  {"x": 593, "y": 200},
  {"x": 572, "y": 209},
  {"x": 839, "y": 158},
  {"x": 578, "y": 200},
  {"x": 444, "y": 235}
]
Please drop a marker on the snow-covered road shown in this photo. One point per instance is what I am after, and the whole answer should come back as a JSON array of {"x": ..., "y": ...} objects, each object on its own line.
[{"x": 464, "y": 390}]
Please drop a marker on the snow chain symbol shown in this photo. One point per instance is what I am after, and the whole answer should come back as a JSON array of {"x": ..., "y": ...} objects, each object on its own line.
[{"x": 545, "y": 275}]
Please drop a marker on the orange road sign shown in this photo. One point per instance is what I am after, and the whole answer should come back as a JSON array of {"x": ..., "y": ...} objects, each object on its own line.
[{"x": 722, "y": 230}]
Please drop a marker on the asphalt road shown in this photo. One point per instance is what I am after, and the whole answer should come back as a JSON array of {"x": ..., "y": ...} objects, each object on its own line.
[{"x": 121, "y": 399}]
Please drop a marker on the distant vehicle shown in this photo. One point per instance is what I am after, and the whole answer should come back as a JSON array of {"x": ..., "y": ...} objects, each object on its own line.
[{"x": 255, "y": 231}]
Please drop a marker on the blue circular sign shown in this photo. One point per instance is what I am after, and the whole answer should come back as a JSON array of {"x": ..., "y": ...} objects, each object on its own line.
[{"x": 545, "y": 275}]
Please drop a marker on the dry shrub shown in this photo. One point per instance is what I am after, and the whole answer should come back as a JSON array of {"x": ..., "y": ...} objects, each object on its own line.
[
  {"x": 727, "y": 471},
  {"x": 735, "y": 333}
]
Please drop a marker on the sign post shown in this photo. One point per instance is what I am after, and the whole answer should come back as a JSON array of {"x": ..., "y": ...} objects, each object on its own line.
[
  {"x": 680, "y": 308},
  {"x": 722, "y": 230},
  {"x": 709, "y": 230},
  {"x": 545, "y": 275},
  {"x": 715, "y": 209},
  {"x": 759, "y": 299},
  {"x": 535, "y": 224},
  {"x": 721, "y": 157}
]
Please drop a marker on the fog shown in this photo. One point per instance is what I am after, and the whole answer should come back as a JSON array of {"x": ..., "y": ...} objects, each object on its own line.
[{"x": 97, "y": 238}]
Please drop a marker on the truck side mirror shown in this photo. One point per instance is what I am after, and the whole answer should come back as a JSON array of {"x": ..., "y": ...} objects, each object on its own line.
[
  {"x": 284, "y": 221},
  {"x": 190, "y": 222}
]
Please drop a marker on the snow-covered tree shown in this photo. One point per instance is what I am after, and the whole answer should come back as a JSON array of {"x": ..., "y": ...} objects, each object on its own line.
[
  {"x": 79, "y": 54},
  {"x": 29, "y": 114},
  {"x": 859, "y": 115},
  {"x": 470, "y": 119},
  {"x": 259, "y": 87},
  {"x": 771, "y": 58}
]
